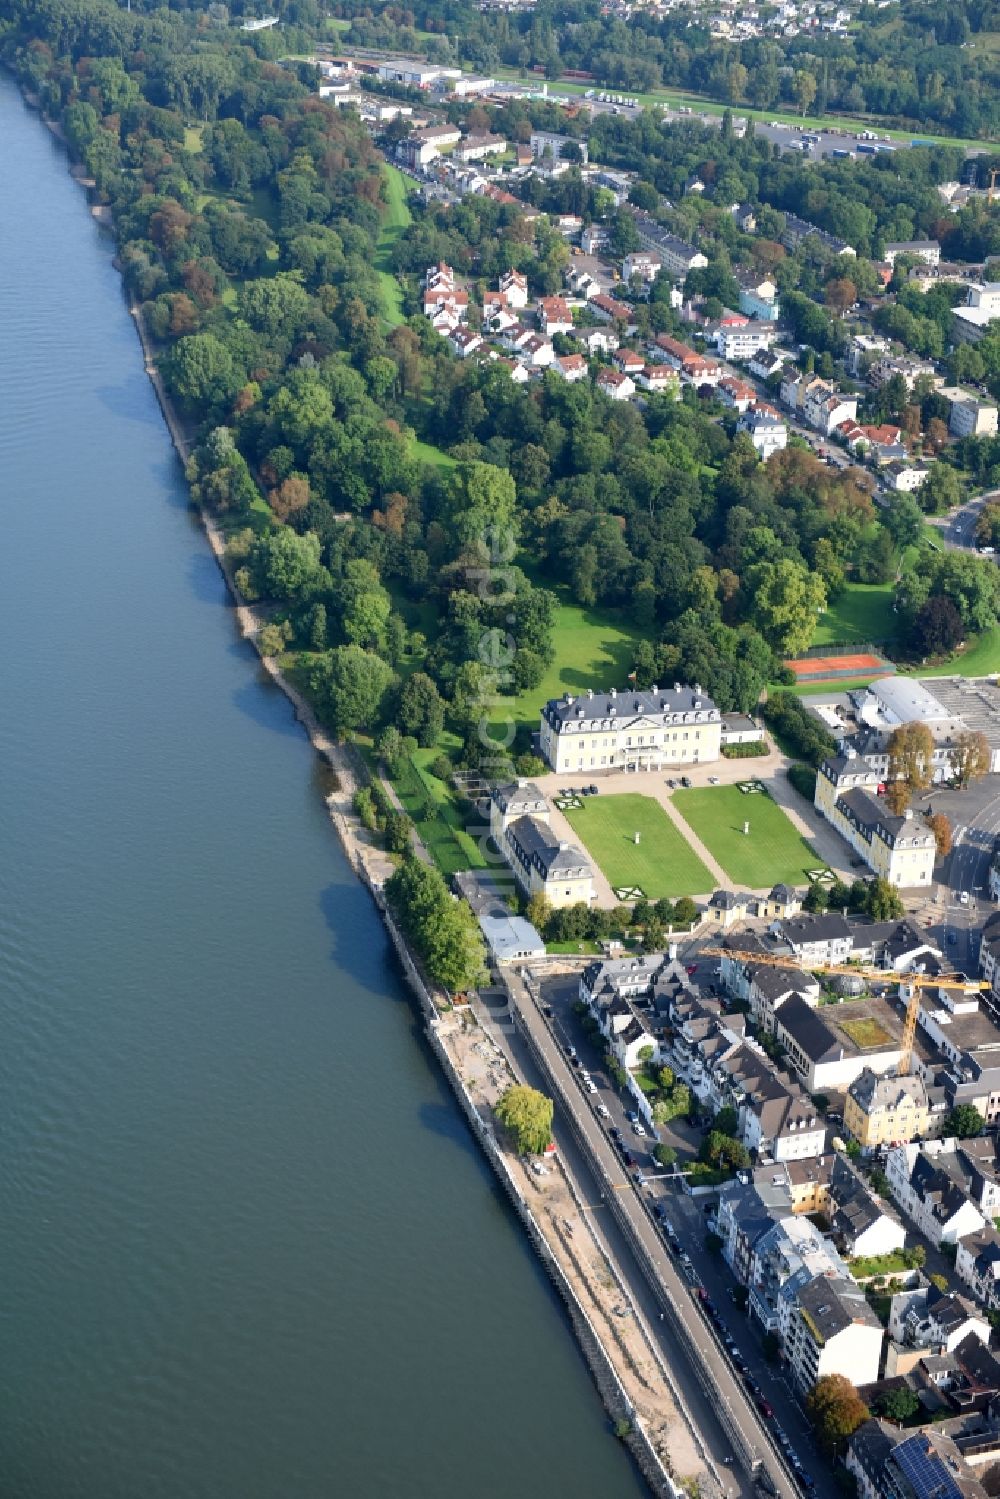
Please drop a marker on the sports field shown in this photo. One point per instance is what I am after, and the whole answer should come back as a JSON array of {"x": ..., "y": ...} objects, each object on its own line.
[
  {"x": 660, "y": 865},
  {"x": 771, "y": 853}
]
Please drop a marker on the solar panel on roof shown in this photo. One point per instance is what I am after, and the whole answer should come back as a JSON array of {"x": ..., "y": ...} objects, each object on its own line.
[{"x": 925, "y": 1472}]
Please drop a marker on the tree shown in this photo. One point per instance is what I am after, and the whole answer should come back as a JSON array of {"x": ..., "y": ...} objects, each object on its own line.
[
  {"x": 287, "y": 565},
  {"x": 803, "y": 89},
  {"x": 840, "y": 293},
  {"x": 941, "y": 490},
  {"x": 816, "y": 899},
  {"x": 897, "y": 797},
  {"x": 200, "y": 371},
  {"x": 350, "y": 686},
  {"x": 421, "y": 710},
  {"x": 940, "y": 826},
  {"x": 527, "y": 1115},
  {"x": 964, "y": 1122},
  {"x": 836, "y": 1410},
  {"x": 937, "y": 627},
  {"x": 366, "y": 604},
  {"x": 727, "y": 1121},
  {"x": 664, "y": 1155},
  {"x": 939, "y": 1281},
  {"x": 538, "y": 911},
  {"x": 911, "y": 753},
  {"x": 784, "y": 600},
  {"x": 883, "y": 901},
  {"x": 899, "y": 1404},
  {"x": 398, "y": 832},
  {"x": 970, "y": 757}
]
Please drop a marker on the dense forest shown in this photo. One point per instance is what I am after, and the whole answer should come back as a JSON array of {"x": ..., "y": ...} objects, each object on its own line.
[
  {"x": 919, "y": 65},
  {"x": 248, "y": 214}
]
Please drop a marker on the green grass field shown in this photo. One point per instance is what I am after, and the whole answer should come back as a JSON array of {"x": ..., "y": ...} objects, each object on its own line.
[
  {"x": 772, "y": 853},
  {"x": 863, "y": 612},
  {"x": 674, "y": 98},
  {"x": 661, "y": 865},
  {"x": 981, "y": 659},
  {"x": 397, "y": 218},
  {"x": 428, "y": 453},
  {"x": 437, "y": 818},
  {"x": 592, "y": 649}
]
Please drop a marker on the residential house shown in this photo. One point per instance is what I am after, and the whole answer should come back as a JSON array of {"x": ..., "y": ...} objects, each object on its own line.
[
  {"x": 977, "y": 1264},
  {"x": 594, "y": 239},
  {"x": 464, "y": 342},
  {"x": 628, "y": 362},
  {"x": 615, "y": 385},
  {"x": 758, "y": 296},
  {"x": 904, "y": 478},
  {"x": 519, "y": 826},
  {"x": 832, "y": 1330},
  {"x": 422, "y": 146},
  {"x": 971, "y": 322},
  {"x": 765, "y": 428},
  {"x": 514, "y": 287},
  {"x": 925, "y": 1317},
  {"x": 776, "y": 1119},
  {"x": 548, "y": 147},
  {"x": 928, "y": 1182},
  {"x": 767, "y": 363},
  {"x": 609, "y": 310},
  {"x": 658, "y": 380},
  {"x": 797, "y": 230},
  {"x": 478, "y": 147},
  {"x": 927, "y": 250},
  {"x": 648, "y": 728},
  {"x": 825, "y": 408},
  {"x": 536, "y": 352},
  {"x": 736, "y": 394},
  {"x": 642, "y": 265},
  {"x": 908, "y": 369},
  {"x": 581, "y": 283},
  {"x": 597, "y": 340},
  {"x": 968, "y": 415},
  {"x": 554, "y": 316},
  {"x": 863, "y": 350},
  {"x": 570, "y": 366},
  {"x": 790, "y": 1249},
  {"x": 735, "y": 341},
  {"x": 677, "y": 255},
  {"x": 889, "y": 1110}
]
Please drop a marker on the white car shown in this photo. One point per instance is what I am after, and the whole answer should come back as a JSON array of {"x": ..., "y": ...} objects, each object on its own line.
[
  {"x": 963, "y": 898},
  {"x": 591, "y": 1085},
  {"x": 639, "y": 1129},
  {"x": 713, "y": 780},
  {"x": 603, "y": 1110}
]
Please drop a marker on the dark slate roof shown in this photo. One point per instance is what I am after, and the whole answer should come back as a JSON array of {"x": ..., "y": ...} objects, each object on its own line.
[
  {"x": 542, "y": 849},
  {"x": 833, "y": 1304},
  {"x": 799, "y": 930},
  {"x": 809, "y": 1031},
  {"x": 631, "y": 704}
]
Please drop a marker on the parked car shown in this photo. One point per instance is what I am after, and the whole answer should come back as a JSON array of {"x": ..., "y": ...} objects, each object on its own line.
[
  {"x": 685, "y": 780},
  {"x": 639, "y": 1129},
  {"x": 603, "y": 1110},
  {"x": 595, "y": 790}
]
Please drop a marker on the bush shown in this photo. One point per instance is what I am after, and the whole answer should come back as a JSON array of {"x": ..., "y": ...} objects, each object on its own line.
[
  {"x": 803, "y": 778},
  {"x": 749, "y": 751}
]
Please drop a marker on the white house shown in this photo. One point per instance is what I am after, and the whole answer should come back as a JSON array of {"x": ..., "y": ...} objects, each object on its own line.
[
  {"x": 928, "y": 1192},
  {"x": 570, "y": 366},
  {"x": 615, "y": 385},
  {"x": 766, "y": 430},
  {"x": 554, "y": 315},
  {"x": 514, "y": 287}
]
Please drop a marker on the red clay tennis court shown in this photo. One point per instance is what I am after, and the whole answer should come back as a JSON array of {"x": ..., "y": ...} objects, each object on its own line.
[{"x": 819, "y": 668}]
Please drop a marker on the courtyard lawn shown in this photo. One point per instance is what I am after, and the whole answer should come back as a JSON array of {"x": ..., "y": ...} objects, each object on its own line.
[
  {"x": 662, "y": 864},
  {"x": 773, "y": 852},
  {"x": 862, "y": 613},
  {"x": 397, "y": 218}
]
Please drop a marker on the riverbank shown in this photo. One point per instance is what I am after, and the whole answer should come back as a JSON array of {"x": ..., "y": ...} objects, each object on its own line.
[{"x": 456, "y": 1049}]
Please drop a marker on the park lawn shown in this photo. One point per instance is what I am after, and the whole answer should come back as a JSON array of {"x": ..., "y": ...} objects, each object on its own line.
[
  {"x": 396, "y": 220},
  {"x": 428, "y": 453},
  {"x": 862, "y": 613},
  {"x": 593, "y": 648},
  {"x": 980, "y": 659},
  {"x": 773, "y": 853},
  {"x": 437, "y": 818},
  {"x": 193, "y": 138},
  {"x": 661, "y": 865}
]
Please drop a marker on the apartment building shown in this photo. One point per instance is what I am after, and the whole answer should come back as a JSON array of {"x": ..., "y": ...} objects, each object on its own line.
[{"x": 901, "y": 849}]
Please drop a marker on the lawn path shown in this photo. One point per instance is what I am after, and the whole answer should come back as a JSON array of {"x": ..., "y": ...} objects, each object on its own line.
[{"x": 694, "y": 842}]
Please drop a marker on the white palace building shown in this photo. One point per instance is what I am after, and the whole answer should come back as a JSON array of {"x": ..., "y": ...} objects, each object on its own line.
[{"x": 631, "y": 730}]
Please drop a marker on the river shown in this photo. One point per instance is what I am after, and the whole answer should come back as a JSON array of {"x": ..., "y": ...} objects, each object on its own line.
[{"x": 248, "y": 1248}]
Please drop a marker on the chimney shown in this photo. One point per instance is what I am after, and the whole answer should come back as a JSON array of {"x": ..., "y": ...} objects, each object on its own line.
[{"x": 654, "y": 689}]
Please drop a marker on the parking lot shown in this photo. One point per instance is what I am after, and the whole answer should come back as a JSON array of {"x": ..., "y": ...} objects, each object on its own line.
[{"x": 683, "y": 1219}]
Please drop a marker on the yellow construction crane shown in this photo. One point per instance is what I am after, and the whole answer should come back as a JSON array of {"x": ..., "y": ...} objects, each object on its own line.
[{"x": 910, "y": 985}]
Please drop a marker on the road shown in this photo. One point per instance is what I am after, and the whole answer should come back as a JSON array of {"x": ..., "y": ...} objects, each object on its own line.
[
  {"x": 699, "y": 1349},
  {"x": 686, "y": 1214}
]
